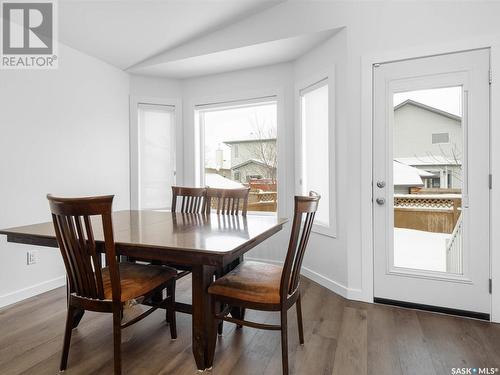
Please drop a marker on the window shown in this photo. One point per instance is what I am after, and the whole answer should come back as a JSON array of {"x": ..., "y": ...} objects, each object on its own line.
[
  {"x": 155, "y": 155},
  {"x": 238, "y": 144},
  {"x": 315, "y": 151},
  {"x": 436, "y": 182},
  {"x": 440, "y": 138}
]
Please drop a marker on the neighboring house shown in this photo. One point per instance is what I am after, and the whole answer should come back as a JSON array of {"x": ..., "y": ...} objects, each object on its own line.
[
  {"x": 253, "y": 159},
  {"x": 250, "y": 170},
  {"x": 431, "y": 140},
  {"x": 405, "y": 177}
]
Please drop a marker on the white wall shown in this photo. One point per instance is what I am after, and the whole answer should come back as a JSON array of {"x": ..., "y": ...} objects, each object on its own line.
[
  {"x": 326, "y": 258},
  {"x": 154, "y": 87},
  {"x": 63, "y": 132}
]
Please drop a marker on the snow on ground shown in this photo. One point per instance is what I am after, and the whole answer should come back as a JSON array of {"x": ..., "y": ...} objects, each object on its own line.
[{"x": 419, "y": 249}]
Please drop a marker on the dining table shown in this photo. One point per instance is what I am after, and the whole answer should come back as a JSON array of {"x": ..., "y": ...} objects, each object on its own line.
[{"x": 201, "y": 243}]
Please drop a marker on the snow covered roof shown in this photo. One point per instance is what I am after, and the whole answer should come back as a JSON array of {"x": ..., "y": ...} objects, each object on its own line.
[
  {"x": 229, "y": 143},
  {"x": 249, "y": 161},
  {"x": 405, "y": 175},
  {"x": 215, "y": 180},
  {"x": 428, "y": 160}
]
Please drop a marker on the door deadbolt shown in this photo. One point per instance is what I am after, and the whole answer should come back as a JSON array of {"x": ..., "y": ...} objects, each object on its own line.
[{"x": 381, "y": 184}]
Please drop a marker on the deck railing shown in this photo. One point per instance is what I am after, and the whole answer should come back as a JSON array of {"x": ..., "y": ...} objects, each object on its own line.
[{"x": 454, "y": 248}]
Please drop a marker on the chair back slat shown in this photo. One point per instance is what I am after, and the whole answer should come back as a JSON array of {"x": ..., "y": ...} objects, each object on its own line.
[
  {"x": 75, "y": 237},
  {"x": 228, "y": 201},
  {"x": 303, "y": 219},
  {"x": 193, "y": 199}
]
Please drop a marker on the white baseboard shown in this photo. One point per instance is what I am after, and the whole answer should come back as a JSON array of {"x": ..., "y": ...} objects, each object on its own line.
[
  {"x": 329, "y": 284},
  {"x": 326, "y": 282},
  {"x": 31, "y": 291}
]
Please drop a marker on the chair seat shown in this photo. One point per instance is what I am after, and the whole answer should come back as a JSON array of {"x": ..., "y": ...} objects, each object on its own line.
[
  {"x": 251, "y": 281},
  {"x": 137, "y": 279}
]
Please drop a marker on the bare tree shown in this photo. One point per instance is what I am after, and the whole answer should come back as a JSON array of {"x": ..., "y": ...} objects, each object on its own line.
[{"x": 265, "y": 149}]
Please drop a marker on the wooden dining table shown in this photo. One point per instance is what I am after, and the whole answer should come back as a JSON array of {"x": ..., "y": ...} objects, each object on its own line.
[{"x": 199, "y": 242}]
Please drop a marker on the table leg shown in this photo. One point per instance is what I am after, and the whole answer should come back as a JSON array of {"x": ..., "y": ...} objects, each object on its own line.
[{"x": 204, "y": 326}]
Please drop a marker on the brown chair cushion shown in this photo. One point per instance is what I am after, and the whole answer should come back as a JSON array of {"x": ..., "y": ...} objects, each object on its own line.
[
  {"x": 137, "y": 279},
  {"x": 250, "y": 281}
]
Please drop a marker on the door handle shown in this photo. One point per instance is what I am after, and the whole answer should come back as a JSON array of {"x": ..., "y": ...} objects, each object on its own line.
[{"x": 380, "y": 201}]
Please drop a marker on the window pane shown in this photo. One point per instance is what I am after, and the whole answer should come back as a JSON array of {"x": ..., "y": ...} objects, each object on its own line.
[
  {"x": 315, "y": 149},
  {"x": 155, "y": 156},
  {"x": 241, "y": 150}
]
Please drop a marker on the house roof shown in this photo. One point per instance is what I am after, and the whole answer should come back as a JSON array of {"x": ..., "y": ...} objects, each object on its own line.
[
  {"x": 249, "y": 161},
  {"x": 215, "y": 180},
  {"x": 229, "y": 143},
  {"x": 405, "y": 175},
  {"x": 428, "y": 108},
  {"x": 428, "y": 160}
]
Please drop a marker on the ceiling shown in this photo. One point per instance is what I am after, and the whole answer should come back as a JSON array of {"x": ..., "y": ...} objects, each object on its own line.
[
  {"x": 126, "y": 32},
  {"x": 183, "y": 38},
  {"x": 249, "y": 56}
]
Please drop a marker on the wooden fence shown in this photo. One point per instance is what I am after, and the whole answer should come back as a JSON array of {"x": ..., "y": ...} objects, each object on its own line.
[
  {"x": 262, "y": 201},
  {"x": 430, "y": 213}
]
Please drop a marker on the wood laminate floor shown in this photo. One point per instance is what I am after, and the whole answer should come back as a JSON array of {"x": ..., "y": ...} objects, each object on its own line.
[{"x": 341, "y": 338}]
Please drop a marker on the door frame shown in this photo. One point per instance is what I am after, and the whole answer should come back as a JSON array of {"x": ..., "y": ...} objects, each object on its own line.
[
  {"x": 367, "y": 241},
  {"x": 133, "y": 139}
]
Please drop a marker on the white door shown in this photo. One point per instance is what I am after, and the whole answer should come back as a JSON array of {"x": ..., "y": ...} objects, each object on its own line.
[
  {"x": 431, "y": 182},
  {"x": 154, "y": 154}
]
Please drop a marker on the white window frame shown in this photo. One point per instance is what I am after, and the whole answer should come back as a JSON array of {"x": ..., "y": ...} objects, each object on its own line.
[
  {"x": 243, "y": 100},
  {"x": 301, "y": 87},
  {"x": 135, "y": 101}
]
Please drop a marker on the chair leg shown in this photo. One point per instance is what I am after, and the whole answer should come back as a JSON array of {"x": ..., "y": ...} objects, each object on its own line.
[
  {"x": 284, "y": 342},
  {"x": 242, "y": 317},
  {"x": 299, "y": 321},
  {"x": 117, "y": 341},
  {"x": 220, "y": 327},
  {"x": 67, "y": 338},
  {"x": 171, "y": 309}
]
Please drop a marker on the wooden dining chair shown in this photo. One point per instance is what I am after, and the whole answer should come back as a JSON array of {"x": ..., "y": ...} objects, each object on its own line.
[
  {"x": 188, "y": 199},
  {"x": 103, "y": 289},
  {"x": 228, "y": 201},
  {"x": 268, "y": 287}
]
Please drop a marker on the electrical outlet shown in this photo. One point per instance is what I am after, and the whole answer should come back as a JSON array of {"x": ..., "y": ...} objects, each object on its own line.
[{"x": 31, "y": 257}]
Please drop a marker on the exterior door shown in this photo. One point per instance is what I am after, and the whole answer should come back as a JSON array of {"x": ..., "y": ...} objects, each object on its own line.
[{"x": 431, "y": 182}]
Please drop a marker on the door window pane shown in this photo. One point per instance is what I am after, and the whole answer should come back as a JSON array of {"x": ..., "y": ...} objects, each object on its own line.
[{"x": 427, "y": 176}]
